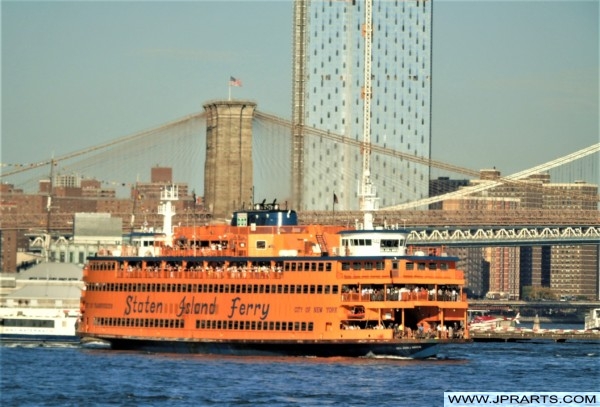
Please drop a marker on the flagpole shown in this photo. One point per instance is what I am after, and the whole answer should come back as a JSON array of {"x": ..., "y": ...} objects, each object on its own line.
[
  {"x": 334, "y": 200},
  {"x": 229, "y": 89}
]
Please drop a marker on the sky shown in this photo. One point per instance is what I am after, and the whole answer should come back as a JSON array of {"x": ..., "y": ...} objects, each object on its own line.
[{"x": 515, "y": 83}]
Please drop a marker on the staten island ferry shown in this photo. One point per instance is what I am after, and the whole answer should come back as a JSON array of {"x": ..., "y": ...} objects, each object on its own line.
[{"x": 263, "y": 284}]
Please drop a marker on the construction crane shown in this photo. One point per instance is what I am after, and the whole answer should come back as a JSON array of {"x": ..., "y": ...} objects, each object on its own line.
[{"x": 368, "y": 201}]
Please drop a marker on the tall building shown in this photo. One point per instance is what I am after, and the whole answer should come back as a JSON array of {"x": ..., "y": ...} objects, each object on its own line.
[
  {"x": 328, "y": 90},
  {"x": 574, "y": 269}
]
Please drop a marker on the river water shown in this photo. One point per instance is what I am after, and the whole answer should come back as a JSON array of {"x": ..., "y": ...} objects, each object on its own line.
[{"x": 74, "y": 376}]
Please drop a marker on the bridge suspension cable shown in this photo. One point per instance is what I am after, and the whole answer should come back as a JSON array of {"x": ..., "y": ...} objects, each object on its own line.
[
  {"x": 103, "y": 146},
  {"x": 516, "y": 178}
]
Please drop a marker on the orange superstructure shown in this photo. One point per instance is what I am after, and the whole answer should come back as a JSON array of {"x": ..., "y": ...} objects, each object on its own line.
[{"x": 266, "y": 285}]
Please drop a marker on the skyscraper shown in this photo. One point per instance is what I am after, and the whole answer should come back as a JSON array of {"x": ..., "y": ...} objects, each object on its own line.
[{"x": 329, "y": 49}]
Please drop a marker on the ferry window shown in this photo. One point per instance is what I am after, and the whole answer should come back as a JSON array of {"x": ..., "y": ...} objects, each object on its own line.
[
  {"x": 335, "y": 289},
  {"x": 285, "y": 289},
  {"x": 345, "y": 265},
  {"x": 293, "y": 266},
  {"x": 267, "y": 288},
  {"x": 304, "y": 326},
  {"x": 394, "y": 265},
  {"x": 284, "y": 326},
  {"x": 253, "y": 325},
  {"x": 432, "y": 266},
  {"x": 286, "y": 266},
  {"x": 356, "y": 265},
  {"x": 310, "y": 326},
  {"x": 443, "y": 266},
  {"x": 279, "y": 289},
  {"x": 271, "y": 326},
  {"x": 421, "y": 266},
  {"x": 380, "y": 265},
  {"x": 296, "y": 326},
  {"x": 313, "y": 266},
  {"x": 368, "y": 265},
  {"x": 238, "y": 289},
  {"x": 300, "y": 265},
  {"x": 319, "y": 289},
  {"x": 368, "y": 242},
  {"x": 410, "y": 265},
  {"x": 277, "y": 326},
  {"x": 328, "y": 267},
  {"x": 312, "y": 289},
  {"x": 261, "y": 244},
  {"x": 389, "y": 243},
  {"x": 292, "y": 289},
  {"x": 243, "y": 288},
  {"x": 321, "y": 266},
  {"x": 298, "y": 289},
  {"x": 305, "y": 291},
  {"x": 327, "y": 289}
]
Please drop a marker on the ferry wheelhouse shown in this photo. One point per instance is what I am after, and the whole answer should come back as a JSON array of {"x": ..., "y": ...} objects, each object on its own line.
[{"x": 265, "y": 285}]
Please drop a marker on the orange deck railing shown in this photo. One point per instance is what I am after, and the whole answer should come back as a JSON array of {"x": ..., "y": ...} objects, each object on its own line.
[{"x": 403, "y": 296}]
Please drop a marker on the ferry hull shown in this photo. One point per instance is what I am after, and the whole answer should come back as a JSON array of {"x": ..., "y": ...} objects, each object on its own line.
[{"x": 414, "y": 349}]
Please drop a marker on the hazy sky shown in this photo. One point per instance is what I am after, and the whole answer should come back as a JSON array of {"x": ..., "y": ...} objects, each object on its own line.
[{"x": 515, "y": 83}]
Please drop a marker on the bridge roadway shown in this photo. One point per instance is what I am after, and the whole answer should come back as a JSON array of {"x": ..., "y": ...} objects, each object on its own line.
[{"x": 481, "y": 228}]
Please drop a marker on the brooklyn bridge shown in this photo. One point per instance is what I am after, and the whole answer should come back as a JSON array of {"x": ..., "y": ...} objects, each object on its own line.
[{"x": 181, "y": 145}]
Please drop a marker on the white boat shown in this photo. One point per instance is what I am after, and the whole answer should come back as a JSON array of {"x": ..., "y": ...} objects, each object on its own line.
[
  {"x": 592, "y": 320},
  {"x": 38, "y": 325},
  {"x": 41, "y": 304}
]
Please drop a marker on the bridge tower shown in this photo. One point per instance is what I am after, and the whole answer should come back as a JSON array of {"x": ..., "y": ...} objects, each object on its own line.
[{"x": 228, "y": 175}]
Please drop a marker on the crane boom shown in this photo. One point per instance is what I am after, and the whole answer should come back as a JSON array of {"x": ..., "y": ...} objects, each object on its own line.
[{"x": 367, "y": 194}]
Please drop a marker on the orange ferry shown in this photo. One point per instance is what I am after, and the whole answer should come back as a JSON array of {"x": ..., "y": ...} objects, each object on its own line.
[{"x": 266, "y": 285}]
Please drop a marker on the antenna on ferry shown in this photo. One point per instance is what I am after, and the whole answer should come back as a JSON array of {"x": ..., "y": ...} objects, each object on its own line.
[{"x": 367, "y": 195}]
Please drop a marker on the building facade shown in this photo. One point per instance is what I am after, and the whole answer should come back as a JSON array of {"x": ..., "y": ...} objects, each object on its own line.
[
  {"x": 574, "y": 269},
  {"x": 333, "y": 91}
]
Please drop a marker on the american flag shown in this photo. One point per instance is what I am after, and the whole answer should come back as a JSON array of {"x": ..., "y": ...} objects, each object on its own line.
[{"x": 234, "y": 82}]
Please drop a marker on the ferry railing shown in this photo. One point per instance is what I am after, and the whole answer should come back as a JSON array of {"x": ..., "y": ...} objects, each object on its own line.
[
  {"x": 200, "y": 274},
  {"x": 422, "y": 295},
  {"x": 404, "y": 275}
]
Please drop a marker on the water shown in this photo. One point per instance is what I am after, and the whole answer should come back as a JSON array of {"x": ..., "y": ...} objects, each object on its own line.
[{"x": 73, "y": 376}]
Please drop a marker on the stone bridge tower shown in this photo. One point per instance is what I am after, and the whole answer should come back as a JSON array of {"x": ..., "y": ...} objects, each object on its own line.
[{"x": 228, "y": 175}]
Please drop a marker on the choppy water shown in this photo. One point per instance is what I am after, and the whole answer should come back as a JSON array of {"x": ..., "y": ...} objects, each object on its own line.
[{"x": 73, "y": 376}]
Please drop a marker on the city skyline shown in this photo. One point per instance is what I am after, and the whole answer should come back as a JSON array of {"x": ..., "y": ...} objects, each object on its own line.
[{"x": 523, "y": 74}]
